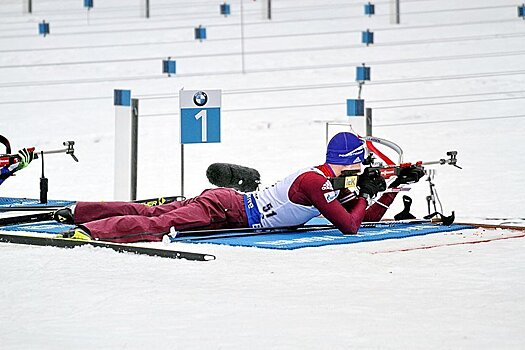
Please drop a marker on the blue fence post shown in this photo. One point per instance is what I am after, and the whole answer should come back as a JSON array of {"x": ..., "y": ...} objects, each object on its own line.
[
  {"x": 368, "y": 37},
  {"x": 169, "y": 66},
  {"x": 88, "y": 4},
  {"x": 370, "y": 9},
  {"x": 521, "y": 11},
  {"x": 122, "y": 98},
  {"x": 200, "y": 33},
  {"x": 43, "y": 28},
  {"x": 225, "y": 9},
  {"x": 355, "y": 107},
  {"x": 126, "y": 131},
  {"x": 362, "y": 73}
]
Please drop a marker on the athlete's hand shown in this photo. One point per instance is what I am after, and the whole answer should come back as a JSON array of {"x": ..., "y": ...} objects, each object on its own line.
[
  {"x": 370, "y": 183},
  {"x": 26, "y": 157},
  {"x": 409, "y": 175}
]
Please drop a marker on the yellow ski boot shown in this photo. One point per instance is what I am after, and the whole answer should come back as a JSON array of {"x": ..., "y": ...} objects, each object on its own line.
[{"x": 75, "y": 233}]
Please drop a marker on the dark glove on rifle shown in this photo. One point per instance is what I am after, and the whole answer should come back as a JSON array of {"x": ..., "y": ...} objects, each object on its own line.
[
  {"x": 370, "y": 183},
  {"x": 409, "y": 175}
]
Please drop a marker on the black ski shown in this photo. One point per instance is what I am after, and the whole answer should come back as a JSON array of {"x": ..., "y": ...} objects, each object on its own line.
[
  {"x": 48, "y": 215},
  {"x": 121, "y": 248},
  {"x": 159, "y": 200},
  {"x": 197, "y": 235},
  {"x": 22, "y": 219},
  {"x": 150, "y": 202},
  {"x": 31, "y": 208}
]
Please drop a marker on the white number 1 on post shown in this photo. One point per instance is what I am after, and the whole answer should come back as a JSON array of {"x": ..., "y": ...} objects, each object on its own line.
[{"x": 204, "y": 123}]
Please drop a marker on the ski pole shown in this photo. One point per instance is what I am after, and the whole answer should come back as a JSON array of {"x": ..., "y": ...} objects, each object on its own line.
[{"x": 197, "y": 235}]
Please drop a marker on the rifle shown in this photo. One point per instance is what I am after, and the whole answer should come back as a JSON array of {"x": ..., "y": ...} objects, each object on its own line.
[{"x": 348, "y": 178}]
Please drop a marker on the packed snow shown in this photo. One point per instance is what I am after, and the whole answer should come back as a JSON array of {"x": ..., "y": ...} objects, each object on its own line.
[{"x": 449, "y": 77}]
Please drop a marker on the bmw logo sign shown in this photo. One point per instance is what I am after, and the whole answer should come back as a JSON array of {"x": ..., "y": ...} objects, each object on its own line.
[{"x": 200, "y": 98}]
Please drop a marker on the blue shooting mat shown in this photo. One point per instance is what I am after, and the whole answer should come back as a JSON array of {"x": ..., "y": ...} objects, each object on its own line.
[
  {"x": 40, "y": 227},
  {"x": 303, "y": 239},
  {"x": 284, "y": 240},
  {"x": 11, "y": 202}
]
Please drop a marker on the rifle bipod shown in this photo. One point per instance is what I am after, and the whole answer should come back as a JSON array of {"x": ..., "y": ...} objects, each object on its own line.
[{"x": 433, "y": 198}]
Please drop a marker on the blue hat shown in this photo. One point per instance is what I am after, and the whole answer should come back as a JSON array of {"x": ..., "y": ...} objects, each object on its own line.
[{"x": 344, "y": 149}]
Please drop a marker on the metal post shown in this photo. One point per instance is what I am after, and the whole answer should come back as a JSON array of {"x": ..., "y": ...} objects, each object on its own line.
[
  {"x": 44, "y": 185},
  {"x": 242, "y": 36},
  {"x": 395, "y": 16},
  {"x": 134, "y": 146},
  {"x": 266, "y": 9},
  {"x": 28, "y": 6},
  {"x": 182, "y": 169},
  {"x": 145, "y": 8},
  {"x": 368, "y": 114}
]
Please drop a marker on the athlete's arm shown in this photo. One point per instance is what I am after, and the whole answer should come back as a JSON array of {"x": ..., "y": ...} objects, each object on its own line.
[
  {"x": 376, "y": 211},
  {"x": 314, "y": 189}
]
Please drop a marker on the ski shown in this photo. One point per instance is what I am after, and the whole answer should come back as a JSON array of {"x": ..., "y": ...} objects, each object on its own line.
[
  {"x": 48, "y": 214},
  {"x": 149, "y": 202},
  {"x": 23, "y": 219},
  {"x": 159, "y": 200},
  {"x": 120, "y": 248},
  {"x": 31, "y": 208},
  {"x": 196, "y": 235}
]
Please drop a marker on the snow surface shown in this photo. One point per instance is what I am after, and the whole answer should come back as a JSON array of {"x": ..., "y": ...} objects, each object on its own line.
[{"x": 467, "y": 296}]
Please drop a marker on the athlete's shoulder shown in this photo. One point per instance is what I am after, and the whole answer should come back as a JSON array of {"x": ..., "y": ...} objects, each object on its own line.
[{"x": 314, "y": 179}]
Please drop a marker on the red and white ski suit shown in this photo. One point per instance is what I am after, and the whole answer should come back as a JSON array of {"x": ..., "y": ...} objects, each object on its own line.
[{"x": 303, "y": 196}]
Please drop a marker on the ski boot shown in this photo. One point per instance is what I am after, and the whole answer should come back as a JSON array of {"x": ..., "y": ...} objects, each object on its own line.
[
  {"x": 64, "y": 215},
  {"x": 76, "y": 233}
]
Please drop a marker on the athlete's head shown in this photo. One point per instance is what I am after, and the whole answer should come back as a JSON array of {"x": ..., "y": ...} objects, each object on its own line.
[{"x": 345, "y": 148}]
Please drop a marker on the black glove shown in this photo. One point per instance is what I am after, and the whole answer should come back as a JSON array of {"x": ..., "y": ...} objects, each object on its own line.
[
  {"x": 370, "y": 183},
  {"x": 409, "y": 175}
]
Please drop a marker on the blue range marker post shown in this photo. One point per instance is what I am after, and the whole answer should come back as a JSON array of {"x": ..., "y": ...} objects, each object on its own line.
[
  {"x": 126, "y": 124},
  {"x": 370, "y": 9},
  {"x": 88, "y": 4},
  {"x": 362, "y": 73},
  {"x": 200, "y": 119},
  {"x": 43, "y": 28},
  {"x": 355, "y": 107},
  {"x": 200, "y": 33},
  {"x": 521, "y": 11},
  {"x": 367, "y": 37},
  {"x": 225, "y": 9},
  {"x": 169, "y": 66},
  {"x": 122, "y": 98}
]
